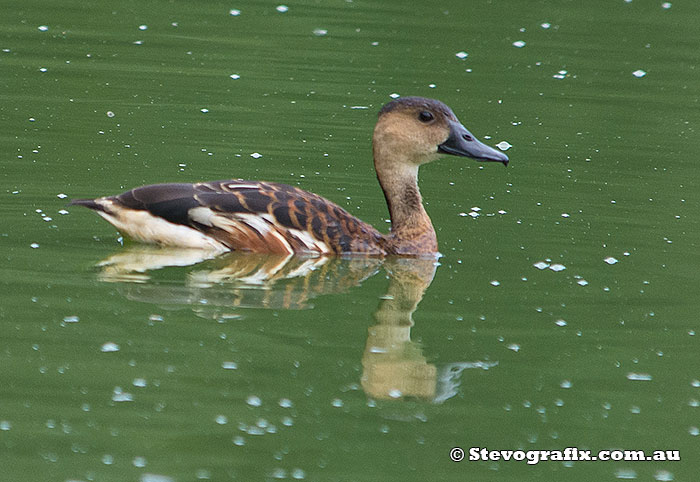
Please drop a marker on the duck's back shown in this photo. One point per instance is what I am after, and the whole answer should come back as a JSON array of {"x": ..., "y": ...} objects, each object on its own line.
[{"x": 238, "y": 215}]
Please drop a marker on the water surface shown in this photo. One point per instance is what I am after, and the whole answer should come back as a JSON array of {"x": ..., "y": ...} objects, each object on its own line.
[{"x": 524, "y": 336}]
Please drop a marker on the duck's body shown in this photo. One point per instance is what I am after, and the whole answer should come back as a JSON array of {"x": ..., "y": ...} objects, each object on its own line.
[
  {"x": 277, "y": 218},
  {"x": 238, "y": 215}
]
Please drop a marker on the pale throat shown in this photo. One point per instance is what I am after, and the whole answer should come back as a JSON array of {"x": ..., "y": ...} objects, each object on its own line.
[{"x": 399, "y": 181}]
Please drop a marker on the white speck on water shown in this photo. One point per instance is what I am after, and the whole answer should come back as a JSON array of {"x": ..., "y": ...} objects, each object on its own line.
[
  {"x": 221, "y": 419},
  {"x": 278, "y": 474},
  {"x": 204, "y": 110},
  {"x": 582, "y": 282},
  {"x": 235, "y": 76},
  {"x": 666, "y": 5},
  {"x": 495, "y": 283},
  {"x": 513, "y": 346},
  {"x": 238, "y": 440},
  {"x": 336, "y": 402},
  {"x": 234, "y": 12},
  {"x": 139, "y": 462},
  {"x": 541, "y": 265},
  {"x": 663, "y": 476},
  {"x": 545, "y": 25},
  {"x": 694, "y": 431},
  {"x": 256, "y": 155},
  {"x": 155, "y": 317},
  {"x": 109, "y": 347},
  {"x": 143, "y": 27},
  {"x": 34, "y": 245},
  {"x": 610, "y": 260},
  {"x": 519, "y": 44},
  {"x": 625, "y": 474},
  {"x": 253, "y": 401},
  {"x": 557, "y": 267},
  {"x": 566, "y": 384},
  {"x": 473, "y": 214},
  {"x": 107, "y": 459},
  {"x": 432, "y": 86},
  {"x": 139, "y": 382},
  {"x": 285, "y": 403},
  {"x": 394, "y": 95},
  {"x": 476, "y": 208},
  {"x": 43, "y": 28},
  {"x": 639, "y": 376},
  {"x": 62, "y": 211},
  {"x": 118, "y": 395},
  {"x": 298, "y": 474},
  {"x": 282, "y": 8},
  {"x": 5, "y": 425},
  {"x": 561, "y": 74},
  {"x": 320, "y": 32},
  {"x": 43, "y": 69},
  {"x": 138, "y": 42},
  {"x": 229, "y": 365},
  {"x": 155, "y": 478},
  {"x": 565, "y": 215},
  {"x": 639, "y": 73},
  {"x": 395, "y": 393},
  {"x": 71, "y": 319},
  {"x": 560, "y": 323},
  {"x": 61, "y": 196},
  {"x": 110, "y": 113},
  {"x": 501, "y": 211},
  {"x": 504, "y": 145},
  {"x": 462, "y": 55},
  {"x": 359, "y": 107}
]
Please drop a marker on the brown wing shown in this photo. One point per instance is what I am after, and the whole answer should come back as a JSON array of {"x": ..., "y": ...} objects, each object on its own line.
[{"x": 248, "y": 215}]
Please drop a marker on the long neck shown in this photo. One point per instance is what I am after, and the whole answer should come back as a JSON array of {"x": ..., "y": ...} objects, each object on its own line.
[{"x": 411, "y": 229}]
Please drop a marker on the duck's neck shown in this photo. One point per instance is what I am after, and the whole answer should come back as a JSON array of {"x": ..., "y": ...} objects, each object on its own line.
[{"x": 411, "y": 229}]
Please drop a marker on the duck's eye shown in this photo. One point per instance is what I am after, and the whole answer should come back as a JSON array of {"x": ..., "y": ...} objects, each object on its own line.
[
  {"x": 425, "y": 116},
  {"x": 467, "y": 137}
]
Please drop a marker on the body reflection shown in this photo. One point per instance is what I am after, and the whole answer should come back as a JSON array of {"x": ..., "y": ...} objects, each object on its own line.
[{"x": 393, "y": 366}]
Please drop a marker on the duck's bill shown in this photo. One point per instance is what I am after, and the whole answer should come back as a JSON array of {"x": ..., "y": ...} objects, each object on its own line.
[{"x": 461, "y": 142}]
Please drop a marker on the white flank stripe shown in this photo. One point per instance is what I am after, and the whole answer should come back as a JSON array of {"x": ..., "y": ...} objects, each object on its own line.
[
  {"x": 311, "y": 243},
  {"x": 286, "y": 244},
  {"x": 201, "y": 215},
  {"x": 255, "y": 222}
]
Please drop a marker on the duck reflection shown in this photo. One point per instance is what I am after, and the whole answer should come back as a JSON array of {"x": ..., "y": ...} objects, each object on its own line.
[{"x": 393, "y": 366}]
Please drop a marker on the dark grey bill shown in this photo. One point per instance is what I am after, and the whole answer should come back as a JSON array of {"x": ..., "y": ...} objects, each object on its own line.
[{"x": 461, "y": 142}]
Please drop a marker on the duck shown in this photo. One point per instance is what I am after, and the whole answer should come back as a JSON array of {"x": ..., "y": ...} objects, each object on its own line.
[{"x": 275, "y": 218}]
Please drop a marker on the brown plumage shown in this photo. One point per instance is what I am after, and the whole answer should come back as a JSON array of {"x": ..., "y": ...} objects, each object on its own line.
[{"x": 267, "y": 217}]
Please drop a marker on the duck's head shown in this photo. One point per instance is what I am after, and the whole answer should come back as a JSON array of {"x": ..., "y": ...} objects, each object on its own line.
[{"x": 417, "y": 130}]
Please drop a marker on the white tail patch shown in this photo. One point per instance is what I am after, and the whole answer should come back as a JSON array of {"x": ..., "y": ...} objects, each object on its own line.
[{"x": 145, "y": 227}]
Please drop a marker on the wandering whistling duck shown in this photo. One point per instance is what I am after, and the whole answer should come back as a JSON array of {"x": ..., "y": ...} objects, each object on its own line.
[{"x": 266, "y": 217}]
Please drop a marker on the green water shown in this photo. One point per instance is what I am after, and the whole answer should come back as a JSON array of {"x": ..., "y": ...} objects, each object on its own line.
[{"x": 128, "y": 371}]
